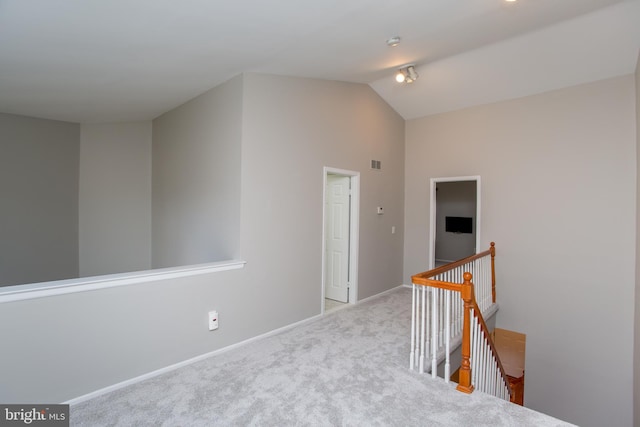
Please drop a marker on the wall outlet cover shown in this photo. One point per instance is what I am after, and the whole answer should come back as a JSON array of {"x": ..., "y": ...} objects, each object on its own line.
[{"x": 213, "y": 320}]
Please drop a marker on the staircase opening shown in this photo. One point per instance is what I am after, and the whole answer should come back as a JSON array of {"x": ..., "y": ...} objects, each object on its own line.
[{"x": 449, "y": 307}]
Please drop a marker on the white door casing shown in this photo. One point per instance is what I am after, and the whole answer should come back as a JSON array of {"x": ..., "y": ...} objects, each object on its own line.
[
  {"x": 433, "y": 208},
  {"x": 337, "y": 233}
]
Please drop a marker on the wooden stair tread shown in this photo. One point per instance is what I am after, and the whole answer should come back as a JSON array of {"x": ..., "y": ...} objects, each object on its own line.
[
  {"x": 511, "y": 348},
  {"x": 455, "y": 377}
]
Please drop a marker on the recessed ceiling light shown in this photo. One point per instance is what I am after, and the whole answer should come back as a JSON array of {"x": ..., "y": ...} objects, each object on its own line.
[{"x": 393, "y": 41}]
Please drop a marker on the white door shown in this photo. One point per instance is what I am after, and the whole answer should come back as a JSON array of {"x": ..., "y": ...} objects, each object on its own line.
[{"x": 337, "y": 214}]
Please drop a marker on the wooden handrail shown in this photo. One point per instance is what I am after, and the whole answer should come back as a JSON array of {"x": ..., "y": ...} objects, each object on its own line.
[
  {"x": 421, "y": 278},
  {"x": 449, "y": 286}
]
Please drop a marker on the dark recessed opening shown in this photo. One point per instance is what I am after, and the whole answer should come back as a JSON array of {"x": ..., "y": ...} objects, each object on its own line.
[{"x": 458, "y": 224}]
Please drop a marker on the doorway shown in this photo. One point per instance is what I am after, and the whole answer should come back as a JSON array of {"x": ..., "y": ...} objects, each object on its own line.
[
  {"x": 454, "y": 219},
  {"x": 340, "y": 237}
]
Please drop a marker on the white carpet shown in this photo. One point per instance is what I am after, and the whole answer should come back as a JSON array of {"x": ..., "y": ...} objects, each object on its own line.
[{"x": 350, "y": 368}]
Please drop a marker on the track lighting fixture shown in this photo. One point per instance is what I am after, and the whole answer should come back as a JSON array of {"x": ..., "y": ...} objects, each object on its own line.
[{"x": 407, "y": 74}]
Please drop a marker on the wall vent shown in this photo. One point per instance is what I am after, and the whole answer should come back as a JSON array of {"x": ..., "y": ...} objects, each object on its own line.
[{"x": 375, "y": 164}]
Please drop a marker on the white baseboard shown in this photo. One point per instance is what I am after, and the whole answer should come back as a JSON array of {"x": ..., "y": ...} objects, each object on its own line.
[
  {"x": 380, "y": 294},
  {"x": 187, "y": 362}
]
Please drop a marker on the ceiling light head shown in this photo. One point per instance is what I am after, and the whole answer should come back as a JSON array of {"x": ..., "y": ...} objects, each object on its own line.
[
  {"x": 412, "y": 73},
  {"x": 393, "y": 41},
  {"x": 407, "y": 74}
]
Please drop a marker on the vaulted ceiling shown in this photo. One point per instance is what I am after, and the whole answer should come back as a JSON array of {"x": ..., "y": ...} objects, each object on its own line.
[{"x": 122, "y": 60}]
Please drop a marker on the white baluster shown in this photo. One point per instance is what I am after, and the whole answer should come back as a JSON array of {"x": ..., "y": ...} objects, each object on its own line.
[
  {"x": 486, "y": 284},
  {"x": 487, "y": 281},
  {"x": 422, "y": 324},
  {"x": 440, "y": 319},
  {"x": 494, "y": 376},
  {"x": 417, "y": 326},
  {"x": 447, "y": 326},
  {"x": 455, "y": 298},
  {"x": 474, "y": 351},
  {"x": 427, "y": 328},
  {"x": 434, "y": 337},
  {"x": 487, "y": 368},
  {"x": 477, "y": 284},
  {"x": 483, "y": 365},
  {"x": 413, "y": 328},
  {"x": 491, "y": 376}
]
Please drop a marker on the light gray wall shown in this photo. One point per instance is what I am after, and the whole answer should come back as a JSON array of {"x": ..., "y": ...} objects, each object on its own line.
[
  {"x": 115, "y": 198},
  {"x": 455, "y": 199},
  {"x": 291, "y": 129},
  {"x": 558, "y": 197},
  {"x": 636, "y": 348},
  {"x": 196, "y": 179},
  {"x": 39, "y": 189}
]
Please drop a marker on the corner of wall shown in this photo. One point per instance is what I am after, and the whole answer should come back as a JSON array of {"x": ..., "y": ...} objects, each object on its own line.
[{"x": 636, "y": 346}]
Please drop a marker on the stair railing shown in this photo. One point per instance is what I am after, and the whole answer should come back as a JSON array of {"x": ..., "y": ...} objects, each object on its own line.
[{"x": 446, "y": 310}]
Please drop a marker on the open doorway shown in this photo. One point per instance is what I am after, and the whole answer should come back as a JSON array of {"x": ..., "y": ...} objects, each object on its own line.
[
  {"x": 340, "y": 238},
  {"x": 455, "y": 219}
]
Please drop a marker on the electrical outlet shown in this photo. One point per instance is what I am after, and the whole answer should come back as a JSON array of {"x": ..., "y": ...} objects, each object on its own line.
[{"x": 213, "y": 320}]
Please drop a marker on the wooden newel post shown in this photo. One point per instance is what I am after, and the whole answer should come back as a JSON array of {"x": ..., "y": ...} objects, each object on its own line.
[
  {"x": 464, "y": 384},
  {"x": 493, "y": 271}
]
